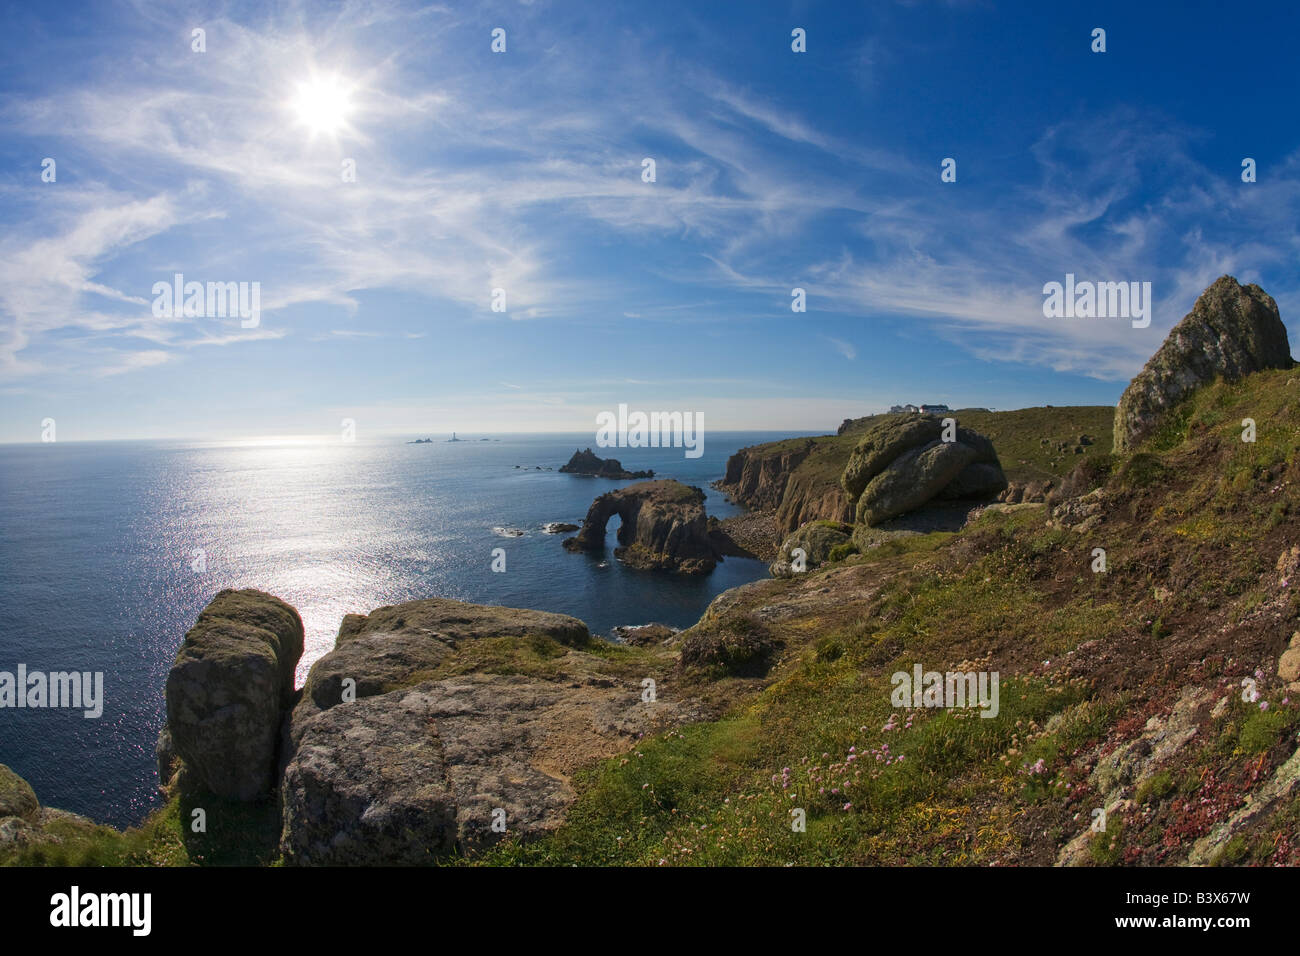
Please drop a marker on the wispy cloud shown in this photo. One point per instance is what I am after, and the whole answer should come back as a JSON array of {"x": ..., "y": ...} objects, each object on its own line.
[
  {"x": 476, "y": 172},
  {"x": 844, "y": 348}
]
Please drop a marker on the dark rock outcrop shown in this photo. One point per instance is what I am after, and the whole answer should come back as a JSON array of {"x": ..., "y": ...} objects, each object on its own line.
[
  {"x": 664, "y": 527},
  {"x": 902, "y": 462},
  {"x": 559, "y": 527},
  {"x": 227, "y": 695},
  {"x": 586, "y": 463},
  {"x": 1232, "y": 331}
]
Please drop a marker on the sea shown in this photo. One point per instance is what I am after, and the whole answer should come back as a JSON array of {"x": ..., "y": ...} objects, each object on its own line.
[{"x": 109, "y": 550}]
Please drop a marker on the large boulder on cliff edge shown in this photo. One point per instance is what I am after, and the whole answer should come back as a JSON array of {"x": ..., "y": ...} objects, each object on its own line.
[
  {"x": 368, "y": 786},
  {"x": 1232, "y": 331},
  {"x": 902, "y": 463},
  {"x": 228, "y": 693}
]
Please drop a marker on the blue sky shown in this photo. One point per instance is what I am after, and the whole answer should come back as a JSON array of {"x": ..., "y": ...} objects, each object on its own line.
[{"x": 522, "y": 170}]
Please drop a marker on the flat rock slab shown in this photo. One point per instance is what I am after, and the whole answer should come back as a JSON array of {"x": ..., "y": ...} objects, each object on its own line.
[
  {"x": 388, "y": 648},
  {"x": 416, "y": 774},
  {"x": 368, "y": 785}
]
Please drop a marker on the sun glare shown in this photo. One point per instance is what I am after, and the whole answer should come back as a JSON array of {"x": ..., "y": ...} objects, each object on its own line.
[{"x": 322, "y": 104}]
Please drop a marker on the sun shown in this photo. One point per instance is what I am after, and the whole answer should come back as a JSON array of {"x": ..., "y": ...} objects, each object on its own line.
[{"x": 323, "y": 104}]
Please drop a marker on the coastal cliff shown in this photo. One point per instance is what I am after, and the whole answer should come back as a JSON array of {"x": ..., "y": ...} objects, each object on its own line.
[
  {"x": 799, "y": 480},
  {"x": 803, "y": 480},
  {"x": 1144, "y": 622},
  {"x": 756, "y": 476}
]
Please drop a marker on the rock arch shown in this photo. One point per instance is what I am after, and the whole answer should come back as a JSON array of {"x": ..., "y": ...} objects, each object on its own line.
[{"x": 663, "y": 527}]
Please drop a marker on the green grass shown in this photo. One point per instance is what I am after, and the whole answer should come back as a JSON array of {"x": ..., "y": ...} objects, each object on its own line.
[
  {"x": 1017, "y": 435},
  {"x": 237, "y": 834},
  {"x": 1156, "y": 787},
  {"x": 1189, "y": 511},
  {"x": 723, "y": 793}
]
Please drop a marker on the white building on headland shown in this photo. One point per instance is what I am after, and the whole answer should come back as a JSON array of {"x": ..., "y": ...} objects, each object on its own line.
[{"x": 925, "y": 409}]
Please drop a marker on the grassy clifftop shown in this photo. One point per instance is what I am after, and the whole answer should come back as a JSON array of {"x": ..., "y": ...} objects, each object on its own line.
[
  {"x": 1032, "y": 443},
  {"x": 1121, "y": 690},
  {"x": 1155, "y": 692},
  {"x": 800, "y": 477}
]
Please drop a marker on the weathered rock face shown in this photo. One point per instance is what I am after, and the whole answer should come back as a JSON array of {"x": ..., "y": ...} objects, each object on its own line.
[
  {"x": 368, "y": 784},
  {"x": 793, "y": 477},
  {"x": 815, "y": 539},
  {"x": 1022, "y": 492},
  {"x": 408, "y": 776},
  {"x": 228, "y": 692},
  {"x": 664, "y": 527},
  {"x": 756, "y": 476},
  {"x": 421, "y": 765},
  {"x": 1232, "y": 331},
  {"x": 380, "y": 651},
  {"x": 587, "y": 463},
  {"x": 25, "y": 823},
  {"x": 902, "y": 462},
  {"x": 809, "y": 497}
]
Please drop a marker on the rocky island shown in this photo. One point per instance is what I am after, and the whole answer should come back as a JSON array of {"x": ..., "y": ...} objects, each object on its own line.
[
  {"x": 585, "y": 462},
  {"x": 664, "y": 527}
]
